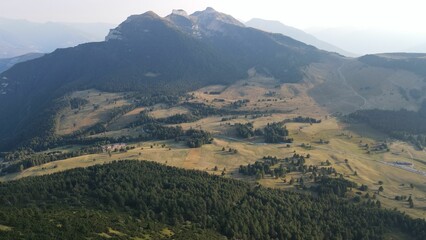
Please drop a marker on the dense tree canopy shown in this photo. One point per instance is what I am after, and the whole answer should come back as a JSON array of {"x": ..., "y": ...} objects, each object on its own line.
[
  {"x": 406, "y": 125},
  {"x": 65, "y": 205}
]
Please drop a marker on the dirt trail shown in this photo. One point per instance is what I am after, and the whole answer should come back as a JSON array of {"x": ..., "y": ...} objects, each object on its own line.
[{"x": 339, "y": 71}]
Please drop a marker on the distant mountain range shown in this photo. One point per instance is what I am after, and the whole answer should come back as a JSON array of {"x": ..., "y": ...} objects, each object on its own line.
[
  {"x": 6, "y": 63},
  {"x": 19, "y": 37},
  {"x": 371, "y": 41},
  {"x": 297, "y": 34}
]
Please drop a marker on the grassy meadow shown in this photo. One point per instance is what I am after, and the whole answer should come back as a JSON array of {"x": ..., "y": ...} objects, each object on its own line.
[{"x": 343, "y": 148}]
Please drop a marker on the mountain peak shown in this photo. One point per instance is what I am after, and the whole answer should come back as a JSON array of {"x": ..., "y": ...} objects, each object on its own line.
[
  {"x": 180, "y": 12},
  {"x": 211, "y": 19},
  {"x": 146, "y": 15},
  {"x": 183, "y": 21},
  {"x": 210, "y": 9},
  {"x": 202, "y": 22},
  {"x": 134, "y": 25}
]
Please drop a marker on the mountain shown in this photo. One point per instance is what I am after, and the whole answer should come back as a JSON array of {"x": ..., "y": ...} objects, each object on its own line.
[
  {"x": 18, "y": 37},
  {"x": 151, "y": 55},
  {"x": 390, "y": 81},
  {"x": 6, "y": 63},
  {"x": 297, "y": 34},
  {"x": 370, "y": 41},
  {"x": 413, "y": 62},
  {"x": 310, "y": 134}
]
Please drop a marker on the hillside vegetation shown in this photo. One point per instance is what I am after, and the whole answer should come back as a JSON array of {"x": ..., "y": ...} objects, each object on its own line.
[
  {"x": 413, "y": 62},
  {"x": 147, "y": 54},
  {"x": 308, "y": 144},
  {"x": 149, "y": 197},
  {"x": 233, "y": 120},
  {"x": 406, "y": 125}
]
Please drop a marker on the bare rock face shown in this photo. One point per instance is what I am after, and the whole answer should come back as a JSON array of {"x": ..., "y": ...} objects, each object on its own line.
[
  {"x": 133, "y": 25},
  {"x": 180, "y": 12},
  {"x": 202, "y": 23}
]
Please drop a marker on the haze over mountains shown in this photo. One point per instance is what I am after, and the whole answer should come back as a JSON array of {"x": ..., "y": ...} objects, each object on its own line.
[
  {"x": 299, "y": 35},
  {"x": 370, "y": 41},
  {"x": 347, "y": 41},
  {"x": 6, "y": 63},
  {"x": 19, "y": 37}
]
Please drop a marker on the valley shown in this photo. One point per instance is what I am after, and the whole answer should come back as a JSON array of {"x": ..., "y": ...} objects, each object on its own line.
[
  {"x": 332, "y": 140},
  {"x": 198, "y": 127}
]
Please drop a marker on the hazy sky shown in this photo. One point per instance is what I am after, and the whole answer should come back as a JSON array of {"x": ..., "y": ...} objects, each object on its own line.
[
  {"x": 399, "y": 16},
  {"x": 361, "y": 26}
]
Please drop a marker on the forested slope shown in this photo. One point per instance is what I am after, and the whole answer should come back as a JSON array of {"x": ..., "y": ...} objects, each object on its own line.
[
  {"x": 405, "y": 125},
  {"x": 140, "y": 198}
]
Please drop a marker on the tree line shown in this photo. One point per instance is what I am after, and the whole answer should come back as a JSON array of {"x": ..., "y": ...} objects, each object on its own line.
[
  {"x": 25, "y": 158},
  {"x": 405, "y": 125}
]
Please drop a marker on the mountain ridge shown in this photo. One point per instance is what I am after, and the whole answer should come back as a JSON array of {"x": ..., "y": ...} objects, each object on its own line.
[
  {"x": 6, "y": 63},
  {"x": 18, "y": 37},
  {"x": 297, "y": 34}
]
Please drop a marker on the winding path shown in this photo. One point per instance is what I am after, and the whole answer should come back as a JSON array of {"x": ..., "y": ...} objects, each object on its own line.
[{"x": 339, "y": 71}]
